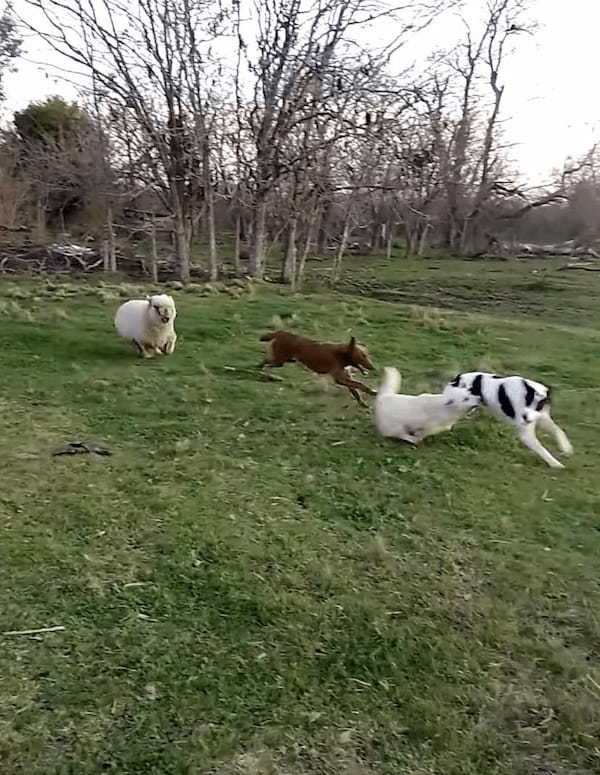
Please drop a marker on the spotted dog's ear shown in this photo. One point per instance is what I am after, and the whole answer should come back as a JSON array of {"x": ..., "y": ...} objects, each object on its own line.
[
  {"x": 456, "y": 381},
  {"x": 544, "y": 401},
  {"x": 529, "y": 393},
  {"x": 149, "y": 300}
]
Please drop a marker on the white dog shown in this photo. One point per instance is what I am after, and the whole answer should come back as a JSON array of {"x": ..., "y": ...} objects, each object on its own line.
[
  {"x": 412, "y": 418},
  {"x": 148, "y": 324},
  {"x": 521, "y": 403}
]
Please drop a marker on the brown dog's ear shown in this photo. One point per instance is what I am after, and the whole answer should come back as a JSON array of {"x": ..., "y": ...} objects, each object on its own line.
[{"x": 352, "y": 344}]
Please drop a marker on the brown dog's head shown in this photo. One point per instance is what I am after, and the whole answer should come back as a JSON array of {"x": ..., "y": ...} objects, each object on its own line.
[{"x": 358, "y": 358}]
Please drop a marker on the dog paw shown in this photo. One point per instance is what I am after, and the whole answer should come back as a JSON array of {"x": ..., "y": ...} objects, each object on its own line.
[
  {"x": 567, "y": 449},
  {"x": 556, "y": 464}
]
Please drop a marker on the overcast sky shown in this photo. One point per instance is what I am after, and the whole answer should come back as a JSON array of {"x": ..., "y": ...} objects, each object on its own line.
[{"x": 551, "y": 104}]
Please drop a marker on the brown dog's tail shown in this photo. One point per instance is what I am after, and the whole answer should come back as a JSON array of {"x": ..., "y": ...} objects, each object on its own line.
[{"x": 268, "y": 337}]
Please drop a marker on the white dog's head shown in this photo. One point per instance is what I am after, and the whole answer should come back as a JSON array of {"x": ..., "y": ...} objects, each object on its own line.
[
  {"x": 163, "y": 307},
  {"x": 459, "y": 396}
]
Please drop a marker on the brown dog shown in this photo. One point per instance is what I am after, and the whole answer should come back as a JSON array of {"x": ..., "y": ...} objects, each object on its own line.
[{"x": 333, "y": 359}]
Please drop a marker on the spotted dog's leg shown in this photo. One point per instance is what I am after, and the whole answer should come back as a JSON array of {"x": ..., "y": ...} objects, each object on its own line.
[
  {"x": 527, "y": 435},
  {"x": 548, "y": 424}
]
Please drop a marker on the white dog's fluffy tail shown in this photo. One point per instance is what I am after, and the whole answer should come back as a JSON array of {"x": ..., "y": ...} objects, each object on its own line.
[{"x": 391, "y": 382}]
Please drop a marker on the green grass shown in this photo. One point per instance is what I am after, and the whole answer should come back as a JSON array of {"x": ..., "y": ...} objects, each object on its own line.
[
  {"x": 255, "y": 583},
  {"x": 528, "y": 287}
]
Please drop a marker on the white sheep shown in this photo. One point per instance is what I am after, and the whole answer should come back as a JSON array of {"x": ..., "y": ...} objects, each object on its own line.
[{"x": 148, "y": 324}]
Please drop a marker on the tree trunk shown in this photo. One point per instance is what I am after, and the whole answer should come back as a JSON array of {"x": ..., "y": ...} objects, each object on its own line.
[
  {"x": 110, "y": 239},
  {"x": 238, "y": 243},
  {"x": 259, "y": 231},
  {"x": 374, "y": 243},
  {"x": 337, "y": 262},
  {"x": 389, "y": 242},
  {"x": 288, "y": 274},
  {"x": 455, "y": 237},
  {"x": 40, "y": 220},
  {"x": 414, "y": 241},
  {"x": 423, "y": 240},
  {"x": 312, "y": 227},
  {"x": 213, "y": 260},
  {"x": 154, "y": 252},
  {"x": 411, "y": 238},
  {"x": 105, "y": 255},
  {"x": 182, "y": 246},
  {"x": 213, "y": 266},
  {"x": 324, "y": 223}
]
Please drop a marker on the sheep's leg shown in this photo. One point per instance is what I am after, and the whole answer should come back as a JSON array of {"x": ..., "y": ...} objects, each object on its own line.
[
  {"x": 548, "y": 424},
  {"x": 148, "y": 350},
  {"x": 169, "y": 345},
  {"x": 528, "y": 437},
  {"x": 138, "y": 347}
]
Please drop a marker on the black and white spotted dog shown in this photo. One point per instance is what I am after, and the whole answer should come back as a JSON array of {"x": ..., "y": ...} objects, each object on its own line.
[{"x": 521, "y": 403}]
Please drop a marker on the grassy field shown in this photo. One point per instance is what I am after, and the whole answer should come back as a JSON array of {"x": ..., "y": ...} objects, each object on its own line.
[
  {"x": 532, "y": 287},
  {"x": 254, "y": 583}
]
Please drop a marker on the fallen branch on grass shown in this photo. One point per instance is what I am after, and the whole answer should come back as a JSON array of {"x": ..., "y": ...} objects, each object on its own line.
[
  {"x": 58, "y": 628},
  {"x": 579, "y": 266},
  {"x": 81, "y": 447}
]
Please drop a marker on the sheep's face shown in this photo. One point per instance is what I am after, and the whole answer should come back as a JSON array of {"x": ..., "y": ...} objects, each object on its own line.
[{"x": 163, "y": 307}]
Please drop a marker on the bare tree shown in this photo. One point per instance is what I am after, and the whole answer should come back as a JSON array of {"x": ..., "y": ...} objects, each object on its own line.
[
  {"x": 471, "y": 157},
  {"x": 10, "y": 43},
  {"x": 303, "y": 137},
  {"x": 301, "y": 52},
  {"x": 15, "y": 188},
  {"x": 154, "y": 60}
]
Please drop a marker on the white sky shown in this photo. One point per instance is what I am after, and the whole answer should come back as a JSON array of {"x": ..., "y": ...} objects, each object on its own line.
[{"x": 551, "y": 104}]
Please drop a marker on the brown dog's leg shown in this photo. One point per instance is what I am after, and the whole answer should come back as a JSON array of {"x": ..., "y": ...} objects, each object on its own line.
[
  {"x": 342, "y": 378},
  {"x": 272, "y": 361},
  {"x": 266, "y": 367}
]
